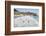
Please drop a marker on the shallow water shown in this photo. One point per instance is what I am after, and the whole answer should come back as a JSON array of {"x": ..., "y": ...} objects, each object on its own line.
[{"x": 26, "y": 24}]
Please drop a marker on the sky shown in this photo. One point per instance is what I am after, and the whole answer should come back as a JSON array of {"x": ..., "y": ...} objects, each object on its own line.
[{"x": 27, "y": 10}]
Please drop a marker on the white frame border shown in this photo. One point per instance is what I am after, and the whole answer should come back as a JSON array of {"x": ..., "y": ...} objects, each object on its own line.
[{"x": 26, "y": 28}]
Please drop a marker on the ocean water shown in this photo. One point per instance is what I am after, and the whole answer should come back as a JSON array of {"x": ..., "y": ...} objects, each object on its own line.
[{"x": 33, "y": 23}]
